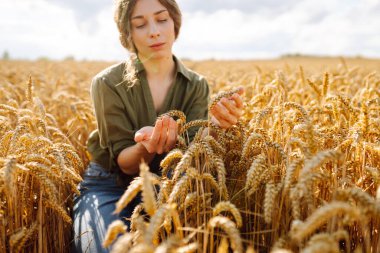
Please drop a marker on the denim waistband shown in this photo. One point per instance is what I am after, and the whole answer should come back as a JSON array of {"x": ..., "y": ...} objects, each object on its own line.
[{"x": 96, "y": 170}]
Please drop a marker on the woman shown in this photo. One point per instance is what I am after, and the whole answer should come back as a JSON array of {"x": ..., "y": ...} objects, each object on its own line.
[{"x": 127, "y": 98}]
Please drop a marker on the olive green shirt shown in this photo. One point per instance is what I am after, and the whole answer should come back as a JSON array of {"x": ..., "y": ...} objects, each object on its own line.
[{"x": 121, "y": 110}]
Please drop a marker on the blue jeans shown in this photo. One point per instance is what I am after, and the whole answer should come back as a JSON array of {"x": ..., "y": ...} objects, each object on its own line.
[{"x": 92, "y": 211}]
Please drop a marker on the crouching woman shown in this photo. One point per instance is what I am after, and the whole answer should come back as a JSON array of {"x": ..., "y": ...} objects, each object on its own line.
[{"x": 128, "y": 97}]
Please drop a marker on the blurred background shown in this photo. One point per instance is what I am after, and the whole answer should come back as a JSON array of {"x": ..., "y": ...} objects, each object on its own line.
[{"x": 212, "y": 29}]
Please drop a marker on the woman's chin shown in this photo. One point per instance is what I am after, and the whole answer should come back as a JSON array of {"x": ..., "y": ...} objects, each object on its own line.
[{"x": 157, "y": 55}]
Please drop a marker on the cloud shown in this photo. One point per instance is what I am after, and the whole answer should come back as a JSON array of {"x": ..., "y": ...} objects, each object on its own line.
[
  {"x": 84, "y": 9},
  {"x": 245, "y": 6},
  {"x": 219, "y": 29},
  {"x": 41, "y": 28},
  {"x": 307, "y": 27},
  {"x": 85, "y": 12}
]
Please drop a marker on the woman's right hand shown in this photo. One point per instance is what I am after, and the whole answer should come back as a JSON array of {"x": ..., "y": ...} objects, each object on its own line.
[{"x": 160, "y": 138}]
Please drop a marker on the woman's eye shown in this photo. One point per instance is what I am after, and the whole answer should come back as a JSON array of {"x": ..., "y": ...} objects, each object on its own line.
[
  {"x": 162, "y": 20},
  {"x": 140, "y": 26}
]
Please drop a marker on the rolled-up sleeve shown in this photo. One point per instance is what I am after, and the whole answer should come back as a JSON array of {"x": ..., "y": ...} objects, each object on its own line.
[
  {"x": 199, "y": 106},
  {"x": 114, "y": 125}
]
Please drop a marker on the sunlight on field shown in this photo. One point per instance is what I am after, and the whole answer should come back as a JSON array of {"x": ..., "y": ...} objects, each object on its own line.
[{"x": 299, "y": 172}]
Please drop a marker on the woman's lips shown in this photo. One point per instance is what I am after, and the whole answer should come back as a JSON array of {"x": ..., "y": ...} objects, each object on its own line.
[{"x": 157, "y": 46}]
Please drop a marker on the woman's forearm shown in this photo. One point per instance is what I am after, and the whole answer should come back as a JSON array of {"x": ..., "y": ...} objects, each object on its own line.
[{"x": 130, "y": 158}]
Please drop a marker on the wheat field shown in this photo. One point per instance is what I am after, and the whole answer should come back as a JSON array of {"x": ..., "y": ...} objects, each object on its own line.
[{"x": 300, "y": 172}]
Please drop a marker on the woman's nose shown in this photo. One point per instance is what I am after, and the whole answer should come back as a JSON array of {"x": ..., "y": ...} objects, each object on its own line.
[{"x": 153, "y": 31}]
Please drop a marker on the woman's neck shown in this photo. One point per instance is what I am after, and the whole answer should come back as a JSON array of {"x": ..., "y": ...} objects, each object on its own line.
[{"x": 162, "y": 68}]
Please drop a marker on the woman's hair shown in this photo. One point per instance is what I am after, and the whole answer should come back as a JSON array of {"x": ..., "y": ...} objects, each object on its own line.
[{"x": 122, "y": 17}]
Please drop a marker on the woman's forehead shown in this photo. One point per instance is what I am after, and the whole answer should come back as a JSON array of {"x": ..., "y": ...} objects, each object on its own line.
[{"x": 145, "y": 8}]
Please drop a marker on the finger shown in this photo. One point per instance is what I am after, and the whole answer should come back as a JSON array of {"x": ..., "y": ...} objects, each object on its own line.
[
  {"x": 172, "y": 135},
  {"x": 241, "y": 90},
  {"x": 221, "y": 123},
  {"x": 139, "y": 137},
  {"x": 163, "y": 135},
  {"x": 221, "y": 113},
  {"x": 149, "y": 148},
  {"x": 156, "y": 132},
  {"x": 238, "y": 100},
  {"x": 230, "y": 106},
  {"x": 147, "y": 145},
  {"x": 225, "y": 124}
]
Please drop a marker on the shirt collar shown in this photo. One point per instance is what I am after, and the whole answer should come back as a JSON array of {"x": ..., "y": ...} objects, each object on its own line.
[{"x": 179, "y": 66}]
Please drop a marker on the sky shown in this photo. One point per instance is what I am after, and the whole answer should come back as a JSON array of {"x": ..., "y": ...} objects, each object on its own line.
[{"x": 217, "y": 29}]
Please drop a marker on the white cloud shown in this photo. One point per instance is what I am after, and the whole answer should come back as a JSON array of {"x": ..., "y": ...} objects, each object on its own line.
[
  {"x": 83, "y": 9},
  {"x": 39, "y": 28},
  {"x": 246, "y": 6},
  {"x": 310, "y": 27},
  {"x": 218, "y": 29}
]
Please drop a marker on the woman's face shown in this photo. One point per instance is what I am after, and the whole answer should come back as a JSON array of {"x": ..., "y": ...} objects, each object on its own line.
[{"x": 152, "y": 29}]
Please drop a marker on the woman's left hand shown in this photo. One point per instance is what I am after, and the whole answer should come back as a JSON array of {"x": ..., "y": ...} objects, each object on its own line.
[{"x": 227, "y": 111}]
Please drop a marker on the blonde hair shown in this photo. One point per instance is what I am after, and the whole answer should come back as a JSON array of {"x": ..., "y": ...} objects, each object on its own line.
[
  {"x": 130, "y": 72},
  {"x": 122, "y": 17}
]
